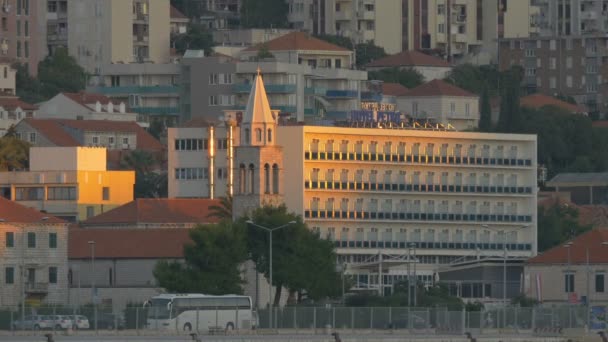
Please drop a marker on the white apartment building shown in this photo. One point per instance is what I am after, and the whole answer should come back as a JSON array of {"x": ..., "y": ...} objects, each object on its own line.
[
  {"x": 307, "y": 77},
  {"x": 570, "y": 17},
  {"x": 375, "y": 192},
  {"x": 34, "y": 249},
  {"x": 12, "y": 111},
  {"x": 101, "y": 32}
]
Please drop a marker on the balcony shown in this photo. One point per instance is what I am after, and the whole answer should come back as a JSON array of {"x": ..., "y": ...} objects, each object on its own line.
[
  {"x": 361, "y": 186},
  {"x": 270, "y": 88},
  {"x": 589, "y": 15},
  {"x": 315, "y": 91},
  {"x": 338, "y": 94},
  {"x": 366, "y": 15},
  {"x": 512, "y": 247},
  {"x": 418, "y": 159},
  {"x": 127, "y": 90},
  {"x": 40, "y": 288},
  {"x": 344, "y": 16}
]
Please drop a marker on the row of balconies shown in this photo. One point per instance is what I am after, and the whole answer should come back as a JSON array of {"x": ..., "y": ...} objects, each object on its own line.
[
  {"x": 401, "y": 216},
  {"x": 433, "y": 245},
  {"x": 369, "y": 186},
  {"x": 410, "y": 158}
]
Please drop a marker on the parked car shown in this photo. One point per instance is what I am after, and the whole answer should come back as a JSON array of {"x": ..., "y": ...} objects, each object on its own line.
[
  {"x": 59, "y": 322},
  {"x": 79, "y": 322},
  {"x": 35, "y": 322}
]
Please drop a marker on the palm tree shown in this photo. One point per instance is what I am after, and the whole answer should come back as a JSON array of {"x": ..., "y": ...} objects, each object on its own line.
[{"x": 223, "y": 211}]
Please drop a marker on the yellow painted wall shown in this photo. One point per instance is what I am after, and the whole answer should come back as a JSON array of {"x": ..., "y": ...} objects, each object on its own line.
[{"x": 90, "y": 190}]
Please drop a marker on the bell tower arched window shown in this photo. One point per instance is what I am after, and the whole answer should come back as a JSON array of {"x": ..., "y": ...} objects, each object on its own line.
[
  {"x": 275, "y": 179},
  {"x": 251, "y": 179},
  {"x": 258, "y": 135},
  {"x": 242, "y": 179},
  {"x": 266, "y": 179},
  {"x": 269, "y": 139},
  {"x": 247, "y": 137}
]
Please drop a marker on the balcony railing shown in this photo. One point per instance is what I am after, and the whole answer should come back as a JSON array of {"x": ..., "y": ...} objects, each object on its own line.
[
  {"x": 417, "y": 159},
  {"x": 332, "y": 93},
  {"x": 159, "y": 89},
  {"x": 270, "y": 88},
  {"x": 432, "y": 245},
  {"x": 36, "y": 287},
  {"x": 394, "y": 187},
  {"x": 403, "y": 216}
]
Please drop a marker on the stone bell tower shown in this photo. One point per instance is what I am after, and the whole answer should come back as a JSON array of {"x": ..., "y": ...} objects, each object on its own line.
[{"x": 258, "y": 160}]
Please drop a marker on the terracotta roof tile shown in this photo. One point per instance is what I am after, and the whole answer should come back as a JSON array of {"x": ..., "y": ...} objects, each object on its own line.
[
  {"x": 52, "y": 130},
  {"x": 297, "y": 41},
  {"x": 128, "y": 243},
  {"x": 16, "y": 213},
  {"x": 537, "y": 101},
  {"x": 145, "y": 141},
  {"x": 438, "y": 88},
  {"x": 158, "y": 210},
  {"x": 592, "y": 240},
  {"x": 86, "y": 99},
  {"x": 409, "y": 59},
  {"x": 175, "y": 13},
  {"x": 394, "y": 89},
  {"x": 11, "y": 103}
]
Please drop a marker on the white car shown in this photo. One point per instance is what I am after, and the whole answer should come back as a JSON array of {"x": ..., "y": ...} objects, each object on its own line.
[
  {"x": 80, "y": 322},
  {"x": 60, "y": 322}
]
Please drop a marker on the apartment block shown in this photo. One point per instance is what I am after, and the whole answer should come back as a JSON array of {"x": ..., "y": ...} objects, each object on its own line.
[
  {"x": 562, "y": 65},
  {"x": 102, "y": 32},
  {"x": 56, "y": 25},
  {"x": 23, "y": 32},
  {"x": 375, "y": 192},
  {"x": 571, "y": 17},
  {"x": 72, "y": 183},
  {"x": 307, "y": 78},
  {"x": 34, "y": 263}
]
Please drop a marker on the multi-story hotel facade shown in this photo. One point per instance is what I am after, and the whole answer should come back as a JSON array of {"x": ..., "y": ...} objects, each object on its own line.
[{"x": 381, "y": 194}]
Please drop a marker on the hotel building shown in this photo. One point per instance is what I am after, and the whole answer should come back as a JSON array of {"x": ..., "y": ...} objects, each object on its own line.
[{"x": 381, "y": 194}]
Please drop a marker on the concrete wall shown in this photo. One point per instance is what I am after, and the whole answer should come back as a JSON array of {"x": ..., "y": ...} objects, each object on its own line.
[
  {"x": 552, "y": 282},
  {"x": 67, "y": 159},
  {"x": 159, "y": 30}
]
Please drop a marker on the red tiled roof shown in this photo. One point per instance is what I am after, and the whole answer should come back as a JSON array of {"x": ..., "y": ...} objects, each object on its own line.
[
  {"x": 128, "y": 243},
  {"x": 537, "y": 101},
  {"x": 52, "y": 130},
  {"x": 175, "y": 13},
  {"x": 592, "y": 240},
  {"x": 394, "y": 89},
  {"x": 438, "y": 88},
  {"x": 145, "y": 141},
  {"x": 409, "y": 59},
  {"x": 12, "y": 103},
  {"x": 16, "y": 213},
  {"x": 85, "y": 99},
  {"x": 158, "y": 210},
  {"x": 297, "y": 41},
  {"x": 196, "y": 122}
]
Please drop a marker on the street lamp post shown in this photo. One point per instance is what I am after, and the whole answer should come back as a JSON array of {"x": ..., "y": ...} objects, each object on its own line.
[
  {"x": 93, "y": 290},
  {"x": 270, "y": 230}
]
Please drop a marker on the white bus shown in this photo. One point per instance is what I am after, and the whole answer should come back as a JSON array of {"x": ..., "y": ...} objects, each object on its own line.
[{"x": 199, "y": 312}]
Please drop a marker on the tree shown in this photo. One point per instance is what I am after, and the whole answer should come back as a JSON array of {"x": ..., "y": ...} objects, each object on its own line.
[
  {"x": 485, "y": 115},
  {"x": 197, "y": 37},
  {"x": 368, "y": 52},
  {"x": 212, "y": 262},
  {"x": 14, "y": 153},
  {"x": 263, "y": 52},
  {"x": 148, "y": 184},
  {"x": 223, "y": 211},
  {"x": 557, "y": 224},
  {"x": 510, "y": 119},
  {"x": 408, "y": 78},
  {"x": 264, "y": 13},
  {"x": 297, "y": 253},
  {"x": 342, "y": 41},
  {"x": 56, "y": 73},
  {"x": 476, "y": 79}
]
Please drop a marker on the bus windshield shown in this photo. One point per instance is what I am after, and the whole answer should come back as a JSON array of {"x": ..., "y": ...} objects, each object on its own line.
[{"x": 159, "y": 308}]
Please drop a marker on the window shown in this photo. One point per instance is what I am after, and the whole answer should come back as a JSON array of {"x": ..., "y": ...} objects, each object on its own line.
[
  {"x": 213, "y": 100},
  {"x": 552, "y": 44},
  {"x": 599, "y": 283},
  {"x": 441, "y": 28},
  {"x": 29, "y": 194},
  {"x": 226, "y": 79},
  {"x": 569, "y": 282},
  {"x": 269, "y": 139},
  {"x": 9, "y": 275},
  {"x": 569, "y": 62},
  {"x": 95, "y": 140},
  {"x": 33, "y": 137},
  {"x": 213, "y": 78},
  {"x": 90, "y": 211},
  {"x": 52, "y": 275},
  {"x": 530, "y": 53},
  {"x": 10, "y": 239},
  {"x": 467, "y": 109},
  {"x": 52, "y": 240},
  {"x": 441, "y": 9},
  {"x": 553, "y": 63},
  {"x": 258, "y": 134},
  {"x": 55, "y": 193},
  {"x": 569, "y": 81},
  {"x": 191, "y": 173},
  {"x": 111, "y": 140},
  {"x": 18, "y": 49},
  {"x": 125, "y": 141},
  {"x": 552, "y": 83},
  {"x": 26, "y": 49},
  {"x": 31, "y": 240},
  {"x": 26, "y": 28},
  {"x": 452, "y": 108},
  {"x": 18, "y": 28},
  {"x": 105, "y": 193}
]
